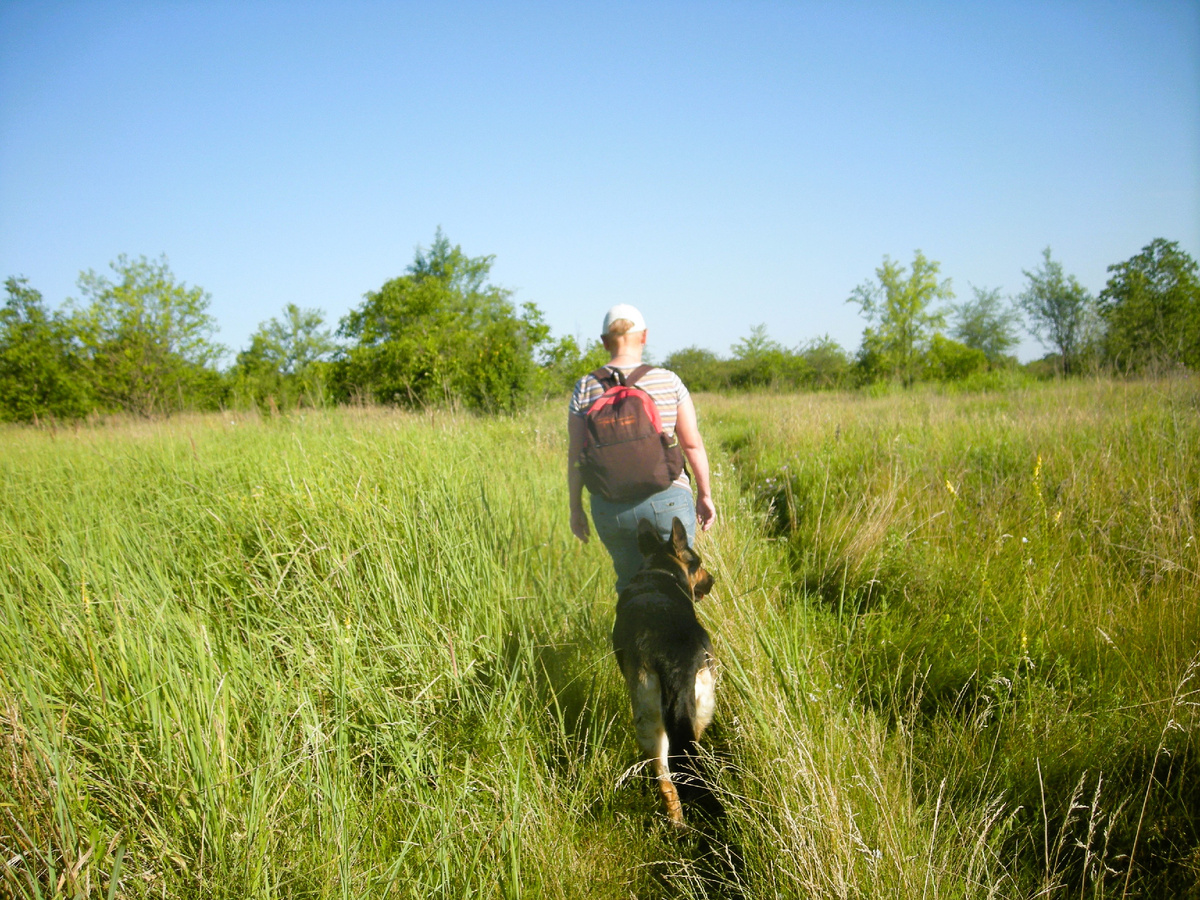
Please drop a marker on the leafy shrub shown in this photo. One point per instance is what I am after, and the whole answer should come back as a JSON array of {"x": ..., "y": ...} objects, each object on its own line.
[
  {"x": 441, "y": 334},
  {"x": 948, "y": 360}
]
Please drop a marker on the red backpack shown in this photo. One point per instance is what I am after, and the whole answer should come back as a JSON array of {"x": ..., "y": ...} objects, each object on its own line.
[{"x": 626, "y": 455}]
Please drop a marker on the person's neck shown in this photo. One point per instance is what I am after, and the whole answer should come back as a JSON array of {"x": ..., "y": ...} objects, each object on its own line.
[{"x": 626, "y": 358}]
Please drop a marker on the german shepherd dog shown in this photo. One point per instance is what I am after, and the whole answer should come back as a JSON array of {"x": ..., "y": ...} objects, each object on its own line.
[{"x": 666, "y": 656}]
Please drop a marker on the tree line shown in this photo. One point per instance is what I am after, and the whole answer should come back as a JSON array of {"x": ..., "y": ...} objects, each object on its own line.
[
  {"x": 141, "y": 342},
  {"x": 1147, "y": 318}
]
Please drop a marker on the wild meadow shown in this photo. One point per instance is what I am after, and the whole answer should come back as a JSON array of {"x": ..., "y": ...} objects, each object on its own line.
[{"x": 357, "y": 653}]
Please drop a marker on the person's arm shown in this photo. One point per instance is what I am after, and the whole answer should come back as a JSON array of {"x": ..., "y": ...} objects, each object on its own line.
[
  {"x": 576, "y": 430},
  {"x": 693, "y": 450}
]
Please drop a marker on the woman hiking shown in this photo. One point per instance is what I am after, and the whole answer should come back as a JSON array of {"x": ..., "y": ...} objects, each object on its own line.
[{"x": 616, "y": 520}]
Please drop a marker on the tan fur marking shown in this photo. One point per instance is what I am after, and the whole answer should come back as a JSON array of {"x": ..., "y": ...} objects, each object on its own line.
[
  {"x": 706, "y": 697},
  {"x": 666, "y": 786}
]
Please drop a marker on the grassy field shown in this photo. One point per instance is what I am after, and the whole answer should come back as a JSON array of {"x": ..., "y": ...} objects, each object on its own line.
[{"x": 357, "y": 653}]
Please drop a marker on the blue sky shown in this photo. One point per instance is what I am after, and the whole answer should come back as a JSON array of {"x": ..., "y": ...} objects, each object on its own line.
[{"x": 719, "y": 165}]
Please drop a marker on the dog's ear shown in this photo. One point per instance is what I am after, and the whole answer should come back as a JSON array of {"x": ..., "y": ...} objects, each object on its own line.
[
  {"x": 648, "y": 541},
  {"x": 679, "y": 541}
]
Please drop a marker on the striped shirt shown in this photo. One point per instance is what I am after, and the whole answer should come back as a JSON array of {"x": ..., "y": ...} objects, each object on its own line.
[{"x": 663, "y": 386}]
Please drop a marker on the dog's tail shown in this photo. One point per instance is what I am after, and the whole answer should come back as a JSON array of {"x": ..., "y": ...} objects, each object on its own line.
[{"x": 680, "y": 716}]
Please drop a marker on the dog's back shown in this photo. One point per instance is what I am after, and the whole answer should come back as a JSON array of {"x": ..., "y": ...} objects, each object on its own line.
[{"x": 666, "y": 657}]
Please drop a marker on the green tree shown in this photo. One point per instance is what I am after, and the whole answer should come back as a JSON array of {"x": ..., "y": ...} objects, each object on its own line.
[
  {"x": 898, "y": 306},
  {"x": 285, "y": 361},
  {"x": 827, "y": 362},
  {"x": 760, "y": 361},
  {"x": 700, "y": 369},
  {"x": 987, "y": 323},
  {"x": 1057, "y": 308},
  {"x": 758, "y": 344},
  {"x": 147, "y": 339},
  {"x": 564, "y": 361},
  {"x": 1151, "y": 307},
  {"x": 291, "y": 344},
  {"x": 441, "y": 333},
  {"x": 40, "y": 370}
]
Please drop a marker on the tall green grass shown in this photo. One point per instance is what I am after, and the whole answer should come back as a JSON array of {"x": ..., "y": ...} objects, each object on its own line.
[
  {"x": 303, "y": 658},
  {"x": 1013, "y": 582},
  {"x": 358, "y": 654}
]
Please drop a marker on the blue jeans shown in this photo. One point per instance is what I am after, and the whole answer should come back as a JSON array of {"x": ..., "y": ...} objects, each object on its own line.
[{"x": 617, "y": 525}]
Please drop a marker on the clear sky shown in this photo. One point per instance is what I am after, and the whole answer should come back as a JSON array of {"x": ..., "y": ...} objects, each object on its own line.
[{"x": 719, "y": 165}]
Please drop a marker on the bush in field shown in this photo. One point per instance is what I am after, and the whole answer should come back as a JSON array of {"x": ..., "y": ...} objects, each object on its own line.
[
  {"x": 948, "y": 360},
  {"x": 1059, "y": 312},
  {"x": 699, "y": 369},
  {"x": 39, "y": 365},
  {"x": 759, "y": 362},
  {"x": 146, "y": 340},
  {"x": 140, "y": 343},
  {"x": 898, "y": 304},
  {"x": 441, "y": 333},
  {"x": 564, "y": 361},
  {"x": 828, "y": 364},
  {"x": 985, "y": 323},
  {"x": 1151, "y": 306},
  {"x": 285, "y": 364}
]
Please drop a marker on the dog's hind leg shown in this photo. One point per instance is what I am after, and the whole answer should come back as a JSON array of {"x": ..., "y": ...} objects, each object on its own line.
[
  {"x": 646, "y": 697},
  {"x": 666, "y": 786}
]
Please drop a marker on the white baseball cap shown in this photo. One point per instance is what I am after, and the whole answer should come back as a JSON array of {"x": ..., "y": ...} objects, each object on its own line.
[{"x": 627, "y": 312}]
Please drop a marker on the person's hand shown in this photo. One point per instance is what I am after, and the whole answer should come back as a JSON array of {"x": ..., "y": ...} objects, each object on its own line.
[
  {"x": 706, "y": 512},
  {"x": 579, "y": 524}
]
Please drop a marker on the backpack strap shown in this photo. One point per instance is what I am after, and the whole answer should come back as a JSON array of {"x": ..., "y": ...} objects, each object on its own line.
[
  {"x": 608, "y": 377},
  {"x": 636, "y": 374},
  {"x": 607, "y": 374}
]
